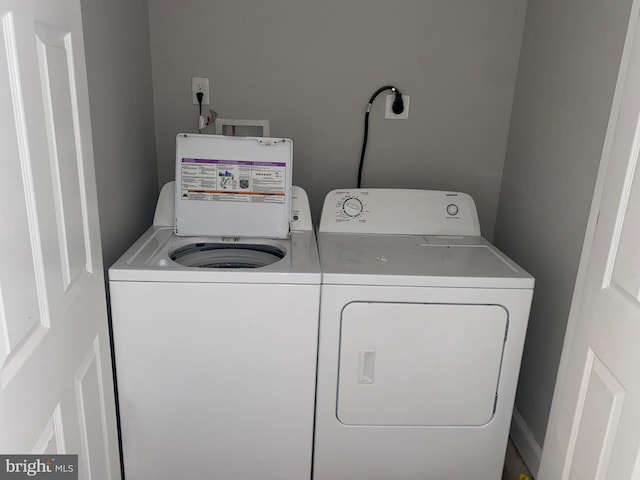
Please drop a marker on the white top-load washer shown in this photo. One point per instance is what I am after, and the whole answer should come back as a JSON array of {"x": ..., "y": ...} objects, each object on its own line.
[
  {"x": 422, "y": 324},
  {"x": 215, "y": 320}
]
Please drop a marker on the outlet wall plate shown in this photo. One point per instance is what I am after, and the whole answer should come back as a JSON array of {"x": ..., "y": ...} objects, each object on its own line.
[
  {"x": 200, "y": 84},
  {"x": 388, "y": 110}
]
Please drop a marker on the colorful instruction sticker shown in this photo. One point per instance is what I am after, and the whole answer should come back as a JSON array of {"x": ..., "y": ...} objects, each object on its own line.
[{"x": 233, "y": 180}]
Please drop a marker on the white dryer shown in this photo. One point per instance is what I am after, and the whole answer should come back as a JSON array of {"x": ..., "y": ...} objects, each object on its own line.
[
  {"x": 215, "y": 333},
  {"x": 422, "y": 325}
]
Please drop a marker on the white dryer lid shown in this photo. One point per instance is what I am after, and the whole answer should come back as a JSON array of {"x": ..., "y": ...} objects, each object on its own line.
[
  {"x": 417, "y": 260},
  {"x": 233, "y": 186}
]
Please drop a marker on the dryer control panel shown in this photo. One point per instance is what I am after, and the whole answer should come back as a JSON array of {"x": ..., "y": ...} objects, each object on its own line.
[{"x": 399, "y": 211}]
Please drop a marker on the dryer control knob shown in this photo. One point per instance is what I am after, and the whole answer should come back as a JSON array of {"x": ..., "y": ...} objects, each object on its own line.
[
  {"x": 352, "y": 207},
  {"x": 452, "y": 209}
]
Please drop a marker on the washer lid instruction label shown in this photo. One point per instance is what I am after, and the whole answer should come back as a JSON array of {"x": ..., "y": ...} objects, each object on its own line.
[{"x": 233, "y": 180}]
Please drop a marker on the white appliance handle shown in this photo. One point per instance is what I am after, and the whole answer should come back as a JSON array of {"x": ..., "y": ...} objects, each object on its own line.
[{"x": 366, "y": 366}]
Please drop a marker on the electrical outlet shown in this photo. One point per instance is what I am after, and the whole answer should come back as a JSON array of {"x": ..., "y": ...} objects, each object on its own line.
[
  {"x": 388, "y": 110},
  {"x": 200, "y": 84}
]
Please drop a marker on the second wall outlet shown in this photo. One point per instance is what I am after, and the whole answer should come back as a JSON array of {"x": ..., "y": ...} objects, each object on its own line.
[
  {"x": 388, "y": 110},
  {"x": 200, "y": 84}
]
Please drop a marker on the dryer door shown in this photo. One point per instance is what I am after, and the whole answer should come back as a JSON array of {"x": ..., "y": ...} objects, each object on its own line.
[{"x": 420, "y": 364}]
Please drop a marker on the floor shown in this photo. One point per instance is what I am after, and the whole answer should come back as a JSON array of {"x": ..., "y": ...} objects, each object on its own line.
[{"x": 514, "y": 467}]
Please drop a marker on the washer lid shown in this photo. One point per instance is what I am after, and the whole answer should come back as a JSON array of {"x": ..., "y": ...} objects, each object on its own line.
[
  {"x": 233, "y": 186},
  {"x": 416, "y": 260}
]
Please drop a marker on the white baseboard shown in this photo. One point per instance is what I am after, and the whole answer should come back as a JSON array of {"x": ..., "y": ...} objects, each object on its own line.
[{"x": 525, "y": 442}]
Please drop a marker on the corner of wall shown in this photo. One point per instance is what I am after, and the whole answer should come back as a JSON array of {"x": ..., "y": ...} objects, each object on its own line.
[
  {"x": 116, "y": 37},
  {"x": 525, "y": 442}
]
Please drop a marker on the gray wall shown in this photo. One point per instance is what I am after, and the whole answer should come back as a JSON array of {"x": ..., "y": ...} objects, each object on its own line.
[
  {"x": 569, "y": 62},
  {"x": 116, "y": 35},
  {"x": 310, "y": 67}
]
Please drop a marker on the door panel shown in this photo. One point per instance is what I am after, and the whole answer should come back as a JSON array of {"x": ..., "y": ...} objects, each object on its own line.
[
  {"x": 21, "y": 280},
  {"x": 597, "y": 417},
  {"x": 420, "y": 364},
  {"x": 92, "y": 413},
  {"x": 56, "y": 390},
  {"x": 623, "y": 259},
  {"x": 55, "y": 59}
]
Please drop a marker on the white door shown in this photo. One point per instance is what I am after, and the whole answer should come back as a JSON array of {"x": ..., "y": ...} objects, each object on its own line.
[
  {"x": 594, "y": 428},
  {"x": 56, "y": 390},
  {"x": 419, "y": 364}
]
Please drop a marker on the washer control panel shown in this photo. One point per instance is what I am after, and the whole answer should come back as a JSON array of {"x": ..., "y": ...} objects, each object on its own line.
[
  {"x": 399, "y": 211},
  {"x": 300, "y": 211},
  {"x": 352, "y": 207}
]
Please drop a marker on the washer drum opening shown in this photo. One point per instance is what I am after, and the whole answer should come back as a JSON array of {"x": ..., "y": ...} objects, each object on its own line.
[{"x": 222, "y": 255}]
